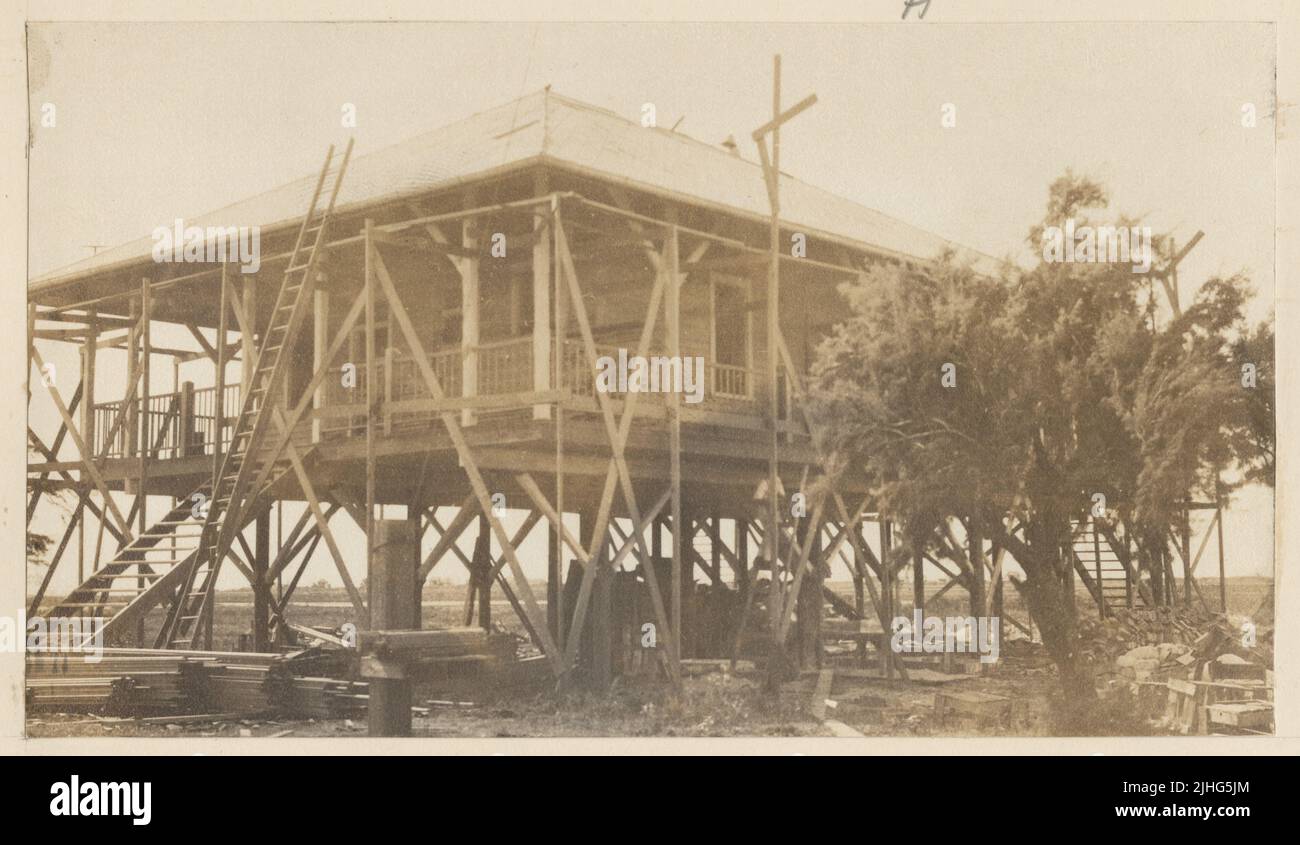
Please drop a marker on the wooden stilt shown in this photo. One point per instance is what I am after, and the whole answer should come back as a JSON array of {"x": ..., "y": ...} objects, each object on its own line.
[
  {"x": 392, "y": 608},
  {"x": 260, "y": 564}
]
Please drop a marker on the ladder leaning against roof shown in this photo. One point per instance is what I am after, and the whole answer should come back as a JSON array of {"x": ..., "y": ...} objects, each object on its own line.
[{"x": 232, "y": 493}]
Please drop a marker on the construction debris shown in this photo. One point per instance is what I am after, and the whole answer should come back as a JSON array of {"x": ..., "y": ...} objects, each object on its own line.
[{"x": 1199, "y": 676}]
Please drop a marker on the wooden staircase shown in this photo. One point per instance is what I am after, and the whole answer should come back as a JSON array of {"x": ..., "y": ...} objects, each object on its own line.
[
  {"x": 233, "y": 492},
  {"x": 1102, "y": 562},
  {"x": 125, "y": 588}
]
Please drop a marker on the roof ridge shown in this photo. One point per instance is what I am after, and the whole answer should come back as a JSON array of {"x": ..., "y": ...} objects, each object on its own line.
[{"x": 717, "y": 150}]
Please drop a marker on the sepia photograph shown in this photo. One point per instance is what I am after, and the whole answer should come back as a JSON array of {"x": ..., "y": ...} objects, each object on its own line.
[{"x": 649, "y": 379}]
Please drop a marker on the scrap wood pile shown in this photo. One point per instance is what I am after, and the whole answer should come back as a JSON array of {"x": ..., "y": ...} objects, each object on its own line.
[
  {"x": 1191, "y": 671},
  {"x": 145, "y": 681},
  {"x": 434, "y": 652},
  {"x": 1103, "y": 640}
]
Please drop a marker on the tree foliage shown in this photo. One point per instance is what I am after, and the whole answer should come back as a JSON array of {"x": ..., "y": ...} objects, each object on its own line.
[{"x": 1066, "y": 386}]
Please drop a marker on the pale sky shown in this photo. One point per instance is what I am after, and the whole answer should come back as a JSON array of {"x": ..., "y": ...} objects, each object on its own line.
[{"x": 156, "y": 121}]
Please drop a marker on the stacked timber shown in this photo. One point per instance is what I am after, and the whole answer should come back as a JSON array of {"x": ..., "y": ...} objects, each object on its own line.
[
  {"x": 428, "y": 655},
  {"x": 139, "y": 681},
  {"x": 234, "y": 688},
  {"x": 316, "y": 698},
  {"x": 129, "y": 681}
]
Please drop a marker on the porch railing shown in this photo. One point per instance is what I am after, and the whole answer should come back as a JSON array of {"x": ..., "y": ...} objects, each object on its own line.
[
  {"x": 175, "y": 425},
  {"x": 184, "y": 423}
]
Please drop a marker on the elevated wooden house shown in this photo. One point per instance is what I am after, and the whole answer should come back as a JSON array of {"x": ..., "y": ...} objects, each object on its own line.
[{"x": 425, "y": 329}]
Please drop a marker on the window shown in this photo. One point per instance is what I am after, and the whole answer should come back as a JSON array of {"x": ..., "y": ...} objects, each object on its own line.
[{"x": 731, "y": 336}]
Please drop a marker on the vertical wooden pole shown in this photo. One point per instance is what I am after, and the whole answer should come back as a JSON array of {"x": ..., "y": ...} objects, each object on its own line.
[
  {"x": 416, "y": 509},
  {"x": 887, "y": 583},
  {"x": 484, "y": 576},
  {"x": 1069, "y": 582},
  {"x": 146, "y": 355},
  {"x": 81, "y": 540},
  {"x": 250, "y": 341},
  {"x": 673, "y": 308},
  {"x": 554, "y": 586},
  {"x": 975, "y": 555},
  {"x": 918, "y": 579},
  {"x": 541, "y": 301},
  {"x": 594, "y": 637},
  {"x": 88, "y": 353},
  {"x": 320, "y": 344},
  {"x": 469, "y": 315},
  {"x": 1096, "y": 561},
  {"x": 1187, "y": 555},
  {"x": 601, "y": 610},
  {"x": 777, "y": 598},
  {"x": 715, "y": 547},
  {"x": 392, "y": 608},
  {"x": 742, "y": 556},
  {"x": 561, "y": 333},
  {"x": 131, "y": 424},
  {"x": 219, "y": 401},
  {"x": 389, "y": 355},
  {"x": 185, "y": 430},
  {"x": 145, "y": 440},
  {"x": 1223, "y": 584},
  {"x": 370, "y": 393},
  {"x": 260, "y": 563}
]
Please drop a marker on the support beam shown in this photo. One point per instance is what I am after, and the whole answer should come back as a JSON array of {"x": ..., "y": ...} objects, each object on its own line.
[
  {"x": 541, "y": 302},
  {"x": 260, "y": 564},
  {"x": 392, "y": 604},
  {"x": 320, "y": 340},
  {"x": 469, "y": 314}
]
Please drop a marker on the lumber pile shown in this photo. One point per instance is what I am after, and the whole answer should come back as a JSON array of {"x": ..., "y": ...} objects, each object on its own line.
[
  {"x": 309, "y": 697},
  {"x": 132, "y": 682},
  {"x": 232, "y": 688},
  {"x": 145, "y": 681}
]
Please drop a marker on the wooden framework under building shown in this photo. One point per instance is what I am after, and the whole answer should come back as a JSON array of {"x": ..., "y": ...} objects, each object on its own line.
[{"x": 445, "y": 354}]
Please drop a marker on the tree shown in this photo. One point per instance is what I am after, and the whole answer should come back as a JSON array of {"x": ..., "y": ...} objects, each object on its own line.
[
  {"x": 38, "y": 545},
  {"x": 1010, "y": 403}
]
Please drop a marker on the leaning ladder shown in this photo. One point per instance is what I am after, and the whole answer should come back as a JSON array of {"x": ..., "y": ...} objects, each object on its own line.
[{"x": 231, "y": 494}]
